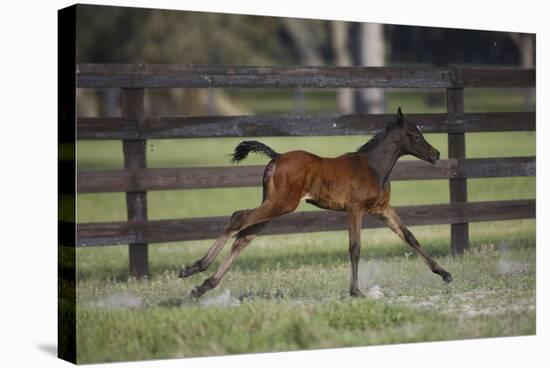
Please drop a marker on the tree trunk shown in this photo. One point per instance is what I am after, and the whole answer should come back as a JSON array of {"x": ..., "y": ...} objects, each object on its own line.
[
  {"x": 305, "y": 41},
  {"x": 525, "y": 43},
  {"x": 371, "y": 40},
  {"x": 110, "y": 102},
  {"x": 527, "y": 48},
  {"x": 340, "y": 36}
]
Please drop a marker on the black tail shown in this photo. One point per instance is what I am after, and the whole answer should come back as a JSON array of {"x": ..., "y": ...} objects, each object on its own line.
[{"x": 244, "y": 148}]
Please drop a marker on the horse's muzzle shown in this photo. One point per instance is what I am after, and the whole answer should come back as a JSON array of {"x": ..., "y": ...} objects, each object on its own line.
[{"x": 434, "y": 155}]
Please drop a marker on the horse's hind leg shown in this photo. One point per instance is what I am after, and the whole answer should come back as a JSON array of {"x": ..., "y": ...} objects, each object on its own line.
[
  {"x": 230, "y": 230},
  {"x": 239, "y": 220},
  {"x": 249, "y": 225},
  {"x": 236, "y": 223},
  {"x": 243, "y": 239},
  {"x": 203, "y": 263}
]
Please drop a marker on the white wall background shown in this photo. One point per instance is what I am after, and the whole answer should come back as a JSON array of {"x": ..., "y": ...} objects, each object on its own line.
[{"x": 28, "y": 152}]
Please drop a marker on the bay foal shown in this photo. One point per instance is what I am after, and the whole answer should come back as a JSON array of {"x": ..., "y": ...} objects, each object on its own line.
[{"x": 357, "y": 183}]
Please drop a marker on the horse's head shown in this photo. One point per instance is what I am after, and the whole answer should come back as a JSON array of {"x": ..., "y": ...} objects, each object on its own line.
[{"x": 413, "y": 141}]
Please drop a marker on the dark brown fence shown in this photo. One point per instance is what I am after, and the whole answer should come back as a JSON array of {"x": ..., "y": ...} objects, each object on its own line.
[{"x": 134, "y": 128}]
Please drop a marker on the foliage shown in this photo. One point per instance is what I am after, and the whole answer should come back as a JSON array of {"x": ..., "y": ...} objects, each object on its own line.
[{"x": 133, "y": 35}]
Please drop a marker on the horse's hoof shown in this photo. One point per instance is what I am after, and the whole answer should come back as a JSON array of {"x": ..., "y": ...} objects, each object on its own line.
[
  {"x": 181, "y": 275},
  {"x": 196, "y": 292},
  {"x": 187, "y": 271},
  {"x": 447, "y": 277}
]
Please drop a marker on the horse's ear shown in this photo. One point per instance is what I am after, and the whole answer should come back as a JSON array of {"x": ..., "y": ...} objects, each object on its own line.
[{"x": 399, "y": 116}]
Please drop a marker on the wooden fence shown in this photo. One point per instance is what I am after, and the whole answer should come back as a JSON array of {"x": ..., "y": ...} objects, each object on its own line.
[{"x": 134, "y": 128}]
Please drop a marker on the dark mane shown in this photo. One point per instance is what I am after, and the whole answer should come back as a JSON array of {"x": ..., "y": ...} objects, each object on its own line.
[{"x": 374, "y": 141}]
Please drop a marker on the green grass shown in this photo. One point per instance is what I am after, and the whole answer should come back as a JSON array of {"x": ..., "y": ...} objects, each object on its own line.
[
  {"x": 289, "y": 292},
  {"x": 268, "y": 327}
]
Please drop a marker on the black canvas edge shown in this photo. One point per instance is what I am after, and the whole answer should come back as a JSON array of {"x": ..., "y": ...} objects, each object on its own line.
[{"x": 66, "y": 187}]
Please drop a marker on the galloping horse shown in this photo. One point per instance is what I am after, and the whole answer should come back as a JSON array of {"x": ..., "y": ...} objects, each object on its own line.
[{"x": 357, "y": 183}]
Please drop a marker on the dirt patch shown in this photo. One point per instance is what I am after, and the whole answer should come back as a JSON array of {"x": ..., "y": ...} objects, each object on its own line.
[
  {"x": 223, "y": 299},
  {"x": 470, "y": 303},
  {"x": 118, "y": 301}
]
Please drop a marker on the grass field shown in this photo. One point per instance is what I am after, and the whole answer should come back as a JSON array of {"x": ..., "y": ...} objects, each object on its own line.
[{"x": 290, "y": 291}]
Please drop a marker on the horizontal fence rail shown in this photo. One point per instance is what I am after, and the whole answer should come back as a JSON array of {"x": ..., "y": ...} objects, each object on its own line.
[
  {"x": 174, "y": 76},
  {"x": 136, "y": 128},
  {"x": 135, "y": 180},
  {"x": 294, "y": 125},
  {"x": 113, "y": 233}
]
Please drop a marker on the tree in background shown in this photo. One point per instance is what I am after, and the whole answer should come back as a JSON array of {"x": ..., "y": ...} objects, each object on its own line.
[
  {"x": 340, "y": 45},
  {"x": 371, "y": 53},
  {"x": 307, "y": 38},
  {"x": 133, "y": 35},
  {"x": 525, "y": 43}
]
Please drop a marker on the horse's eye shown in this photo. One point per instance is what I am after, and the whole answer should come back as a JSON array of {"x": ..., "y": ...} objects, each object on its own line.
[{"x": 416, "y": 137}]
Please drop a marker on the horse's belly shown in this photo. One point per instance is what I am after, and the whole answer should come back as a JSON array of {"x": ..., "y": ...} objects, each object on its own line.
[{"x": 326, "y": 204}]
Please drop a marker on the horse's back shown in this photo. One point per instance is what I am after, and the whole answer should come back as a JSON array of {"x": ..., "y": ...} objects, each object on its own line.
[{"x": 328, "y": 182}]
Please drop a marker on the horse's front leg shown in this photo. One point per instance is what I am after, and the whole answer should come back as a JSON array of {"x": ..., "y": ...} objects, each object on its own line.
[
  {"x": 355, "y": 218},
  {"x": 390, "y": 217}
]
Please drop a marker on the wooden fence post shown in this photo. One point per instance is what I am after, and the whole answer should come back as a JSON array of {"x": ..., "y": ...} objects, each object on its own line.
[
  {"x": 458, "y": 187},
  {"x": 132, "y": 106}
]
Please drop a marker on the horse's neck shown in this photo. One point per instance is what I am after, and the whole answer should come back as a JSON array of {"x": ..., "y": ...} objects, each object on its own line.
[{"x": 382, "y": 159}]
